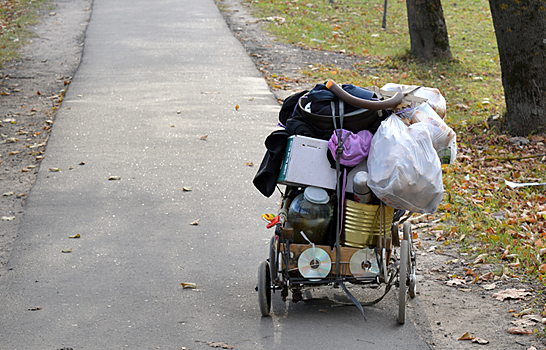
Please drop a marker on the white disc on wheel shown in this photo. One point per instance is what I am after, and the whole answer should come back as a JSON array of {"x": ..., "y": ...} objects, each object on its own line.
[
  {"x": 363, "y": 263},
  {"x": 314, "y": 263}
]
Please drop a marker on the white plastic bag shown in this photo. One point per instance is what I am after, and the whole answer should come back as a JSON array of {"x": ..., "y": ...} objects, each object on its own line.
[
  {"x": 404, "y": 169},
  {"x": 444, "y": 139},
  {"x": 433, "y": 96}
]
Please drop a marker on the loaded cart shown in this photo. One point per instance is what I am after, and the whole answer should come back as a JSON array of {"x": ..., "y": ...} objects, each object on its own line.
[{"x": 331, "y": 228}]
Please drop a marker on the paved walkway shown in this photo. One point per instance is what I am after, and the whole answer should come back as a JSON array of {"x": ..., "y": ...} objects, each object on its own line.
[{"x": 155, "y": 78}]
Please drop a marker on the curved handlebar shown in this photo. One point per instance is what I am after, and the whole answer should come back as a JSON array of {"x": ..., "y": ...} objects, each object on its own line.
[{"x": 359, "y": 102}]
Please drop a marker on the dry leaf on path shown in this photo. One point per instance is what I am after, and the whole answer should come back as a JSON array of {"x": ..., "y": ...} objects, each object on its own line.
[
  {"x": 527, "y": 323},
  {"x": 455, "y": 282},
  {"x": 188, "y": 285},
  {"x": 203, "y": 137},
  {"x": 7, "y": 194},
  {"x": 480, "y": 258},
  {"x": 196, "y": 222},
  {"x": 466, "y": 336},
  {"x": 114, "y": 178},
  {"x": 54, "y": 169},
  {"x": 34, "y": 308},
  {"x": 490, "y": 286},
  {"x": 519, "y": 330},
  {"x": 187, "y": 189},
  {"x": 480, "y": 341},
  {"x": 219, "y": 344},
  {"x": 487, "y": 276},
  {"x": 8, "y": 218},
  {"x": 77, "y": 235},
  {"x": 69, "y": 250},
  {"x": 511, "y": 293}
]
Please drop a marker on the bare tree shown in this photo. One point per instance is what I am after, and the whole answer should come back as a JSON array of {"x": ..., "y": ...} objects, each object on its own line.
[
  {"x": 427, "y": 29},
  {"x": 520, "y": 27}
]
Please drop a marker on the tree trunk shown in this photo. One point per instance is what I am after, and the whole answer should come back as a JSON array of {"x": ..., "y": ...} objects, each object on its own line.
[
  {"x": 520, "y": 27},
  {"x": 427, "y": 29},
  {"x": 384, "y": 24}
]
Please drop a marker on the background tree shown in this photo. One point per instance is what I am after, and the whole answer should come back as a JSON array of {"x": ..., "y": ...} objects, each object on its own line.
[
  {"x": 427, "y": 29},
  {"x": 520, "y": 27}
]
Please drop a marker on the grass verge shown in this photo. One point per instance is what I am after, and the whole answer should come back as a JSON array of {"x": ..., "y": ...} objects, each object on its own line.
[{"x": 15, "y": 17}]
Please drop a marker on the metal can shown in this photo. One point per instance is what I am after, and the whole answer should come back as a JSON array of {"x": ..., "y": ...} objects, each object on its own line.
[{"x": 362, "y": 193}]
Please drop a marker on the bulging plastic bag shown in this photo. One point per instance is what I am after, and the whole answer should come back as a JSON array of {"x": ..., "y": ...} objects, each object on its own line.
[
  {"x": 444, "y": 139},
  {"x": 434, "y": 98},
  {"x": 404, "y": 169}
]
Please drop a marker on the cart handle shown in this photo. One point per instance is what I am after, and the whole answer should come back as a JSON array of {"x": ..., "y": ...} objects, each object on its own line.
[{"x": 359, "y": 102}]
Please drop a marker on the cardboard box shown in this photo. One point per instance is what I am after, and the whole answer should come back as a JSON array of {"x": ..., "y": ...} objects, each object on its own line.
[{"x": 306, "y": 163}]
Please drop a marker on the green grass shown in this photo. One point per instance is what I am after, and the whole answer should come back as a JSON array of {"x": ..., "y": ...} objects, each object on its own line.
[
  {"x": 15, "y": 17},
  {"x": 470, "y": 82}
]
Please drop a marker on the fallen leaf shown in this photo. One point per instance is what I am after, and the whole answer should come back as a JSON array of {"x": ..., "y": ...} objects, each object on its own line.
[
  {"x": 219, "y": 345},
  {"x": 54, "y": 169},
  {"x": 8, "y": 218},
  {"x": 542, "y": 269},
  {"x": 25, "y": 170},
  {"x": 69, "y": 250},
  {"x": 487, "y": 276},
  {"x": 77, "y": 235},
  {"x": 480, "y": 258},
  {"x": 114, "y": 178},
  {"x": 196, "y": 222},
  {"x": 188, "y": 285},
  {"x": 490, "y": 286},
  {"x": 7, "y": 194},
  {"x": 535, "y": 318},
  {"x": 34, "y": 308},
  {"x": 237, "y": 107},
  {"x": 466, "y": 336},
  {"x": 511, "y": 293},
  {"x": 203, "y": 137},
  {"x": 250, "y": 164},
  {"x": 187, "y": 189},
  {"x": 480, "y": 341},
  {"x": 527, "y": 323},
  {"x": 519, "y": 330},
  {"x": 455, "y": 282},
  {"x": 81, "y": 163}
]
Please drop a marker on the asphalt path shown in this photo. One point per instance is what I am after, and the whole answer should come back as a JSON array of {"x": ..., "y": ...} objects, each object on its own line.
[{"x": 156, "y": 78}]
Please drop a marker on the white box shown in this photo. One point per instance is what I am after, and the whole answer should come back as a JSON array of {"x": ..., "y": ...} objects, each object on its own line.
[{"x": 306, "y": 163}]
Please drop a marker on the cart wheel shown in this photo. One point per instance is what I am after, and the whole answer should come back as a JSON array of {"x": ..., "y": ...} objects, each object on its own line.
[
  {"x": 273, "y": 263},
  {"x": 408, "y": 235},
  {"x": 264, "y": 288},
  {"x": 402, "y": 275}
]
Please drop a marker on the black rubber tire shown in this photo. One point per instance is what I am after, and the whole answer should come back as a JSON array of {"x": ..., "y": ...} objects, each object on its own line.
[
  {"x": 273, "y": 256},
  {"x": 408, "y": 235},
  {"x": 264, "y": 288},
  {"x": 402, "y": 287}
]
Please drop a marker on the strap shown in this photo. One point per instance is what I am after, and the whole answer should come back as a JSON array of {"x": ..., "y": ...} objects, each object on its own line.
[{"x": 341, "y": 197}]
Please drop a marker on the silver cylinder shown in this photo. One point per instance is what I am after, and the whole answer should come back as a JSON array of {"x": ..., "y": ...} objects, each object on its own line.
[{"x": 362, "y": 192}]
